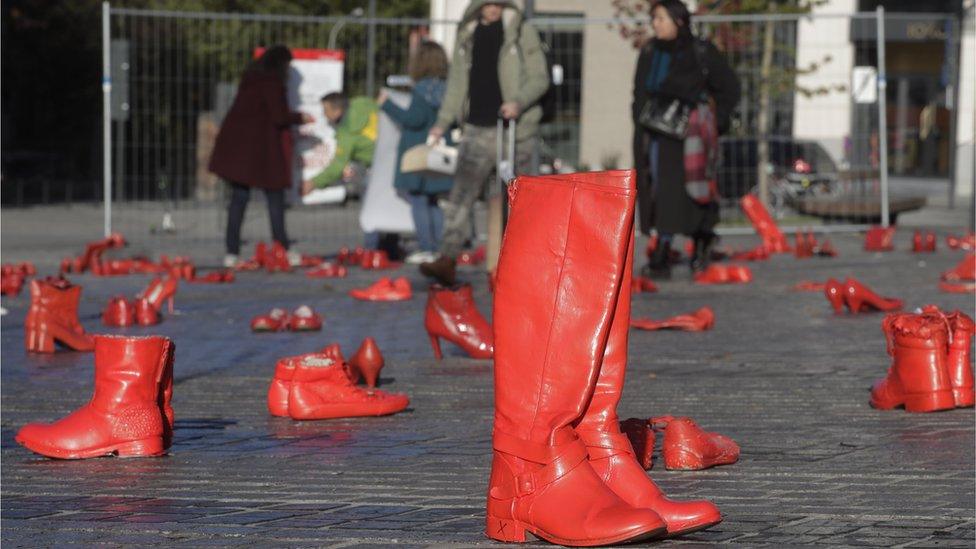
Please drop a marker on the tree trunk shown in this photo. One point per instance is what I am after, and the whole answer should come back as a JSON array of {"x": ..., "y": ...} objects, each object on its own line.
[{"x": 762, "y": 148}]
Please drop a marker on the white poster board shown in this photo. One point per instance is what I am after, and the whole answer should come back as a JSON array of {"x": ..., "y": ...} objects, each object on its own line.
[
  {"x": 864, "y": 84},
  {"x": 383, "y": 209}
]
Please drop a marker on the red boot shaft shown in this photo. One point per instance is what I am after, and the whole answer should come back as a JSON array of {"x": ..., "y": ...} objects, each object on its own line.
[
  {"x": 452, "y": 314},
  {"x": 124, "y": 415},
  {"x": 957, "y": 361}
]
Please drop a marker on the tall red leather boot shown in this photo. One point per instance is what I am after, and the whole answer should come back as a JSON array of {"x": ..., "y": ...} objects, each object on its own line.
[
  {"x": 124, "y": 417},
  {"x": 558, "y": 276},
  {"x": 53, "y": 317},
  {"x": 610, "y": 452},
  {"x": 772, "y": 237},
  {"x": 368, "y": 360},
  {"x": 918, "y": 378},
  {"x": 452, "y": 314},
  {"x": 957, "y": 361}
]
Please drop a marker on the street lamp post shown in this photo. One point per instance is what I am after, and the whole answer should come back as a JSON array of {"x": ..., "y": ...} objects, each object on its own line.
[{"x": 334, "y": 33}]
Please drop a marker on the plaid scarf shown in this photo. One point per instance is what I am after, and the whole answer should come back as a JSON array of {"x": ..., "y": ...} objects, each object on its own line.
[{"x": 701, "y": 155}]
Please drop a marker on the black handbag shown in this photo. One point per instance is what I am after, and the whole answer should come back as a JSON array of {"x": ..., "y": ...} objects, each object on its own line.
[{"x": 670, "y": 116}]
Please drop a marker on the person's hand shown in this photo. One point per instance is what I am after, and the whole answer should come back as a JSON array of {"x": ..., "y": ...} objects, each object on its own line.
[
  {"x": 307, "y": 118},
  {"x": 382, "y": 97},
  {"x": 348, "y": 173},
  {"x": 435, "y": 134},
  {"x": 510, "y": 110},
  {"x": 307, "y": 187}
]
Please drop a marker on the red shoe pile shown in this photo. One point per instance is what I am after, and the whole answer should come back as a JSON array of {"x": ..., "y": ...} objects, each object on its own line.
[
  {"x": 879, "y": 239},
  {"x": 12, "y": 277},
  {"x": 857, "y": 297},
  {"x": 773, "y": 239},
  {"x": 53, "y": 317},
  {"x": 93, "y": 254},
  {"x": 327, "y": 270},
  {"x": 129, "y": 414},
  {"x": 452, "y": 314},
  {"x": 272, "y": 260},
  {"x": 302, "y": 319},
  {"x": 724, "y": 274},
  {"x": 967, "y": 242},
  {"x": 686, "y": 447},
  {"x": 145, "y": 309},
  {"x": 698, "y": 321},
  {"x": 384, "y": 289},
  {"x": 319, "y": 386},
  {"x": 930, "y": 368},
  {"x": 923, "y": 243}
]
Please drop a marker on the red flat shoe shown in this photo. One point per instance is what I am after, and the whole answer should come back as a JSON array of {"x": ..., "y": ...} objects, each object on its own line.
[
  {"x": 701, "y": 320},
  {"x": 321, "y": 389},
  {"x": 879, "y": 239},
  {"x": 642, "y": 284},
  {"x": 860, "y": 298},
  {"x": 274, "y": 321},
  {"x": 119, "y": 312},
  {"x": 958, "y": 287},
  {"x": 328, "y": 270},
  {"x": 368, "y": 361},
  {"x": 384, "y": 289},
  {"x": 687, "y": 447},
  {"x": 739, "y": 274},
  {"x": 642, "y": 438},
  {"x": 304, "y": 319},
  {"x": 810, "y": 286},
  {"x": 964, "y": 270}
]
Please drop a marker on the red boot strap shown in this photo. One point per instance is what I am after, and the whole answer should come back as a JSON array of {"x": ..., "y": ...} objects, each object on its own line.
[
  {"x": 606, "y": 443},
  {"x": 567, "y": 457}
]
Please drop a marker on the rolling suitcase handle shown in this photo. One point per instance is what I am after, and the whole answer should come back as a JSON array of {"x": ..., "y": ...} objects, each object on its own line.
[{"x": 505, "y": 164}]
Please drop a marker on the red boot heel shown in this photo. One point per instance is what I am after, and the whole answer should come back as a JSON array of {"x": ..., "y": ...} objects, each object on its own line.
[
  {"x": 38, "y": 341},
  {"x": 436, "y": 345},
  {"x": 930, "y": 402},
  {"x": 141, "y": 448},
  {"x": 507, "y": 530}
]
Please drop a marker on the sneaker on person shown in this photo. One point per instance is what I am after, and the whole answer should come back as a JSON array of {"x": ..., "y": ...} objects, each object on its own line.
[
  {"x": 231, "y": 261},
  {"x": 420, "y": 256},
  {"x": 294, "y": 258}
]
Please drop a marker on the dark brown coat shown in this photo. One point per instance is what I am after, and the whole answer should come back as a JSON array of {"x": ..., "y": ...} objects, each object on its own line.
[{"x": 254, "y": 145}]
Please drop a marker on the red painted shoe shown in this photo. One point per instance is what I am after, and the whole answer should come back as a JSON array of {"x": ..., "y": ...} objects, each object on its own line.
[
  {"x": 813, "y": 286},
  {"x": 119, "y": 312},
  {"x": 688, "y": 448},
  {"x": 11, "y": 283},
  {"x": 834, "y": 292},
  {"x": 385, "y": 289},
  {"x": 124, "y": 416},
  {"x": 773, "y": 239},
  {"x": 53, "y": 317},
  {"x": 879, "y": 239},
  {"x": 860, "y": 298},
  {"x": 642, "y": 438},
  {"x": 304, "y": 319},
  {"x": 958, "y": 288},
  {"x": 957, "y": 359},
  {"x": 334, "y": 352},
  {"x": 146, "y": 314},
  {"x": 472, "y": 257},
  {"x": 964, "y": 270},
  {"x": 967, "y": 242},
  {"x": 723, "y": 274},
  {"x": 376, "y": 259},
  {"x": 328, "y": 270},
  {"x": 276, "y": 259},
  {"x": 321, "y": 389},
  {"x": 368, "y": 361},
  {"x": 451, "y": 314},
  {"x": 801, "y": 247},
  {"x": 759, "y": 253},
  {"x": 826, "y": 249},
  {"x": 221, "y": 276},
  {"x": 276, "y": 320},
  {"x": 642, "y": 284},
  {"x": 160, "y": 290},
  {"x": 698, "y": 321},
  {"x": 918, "y": 378},
  {"x": 280, "y": 387}
]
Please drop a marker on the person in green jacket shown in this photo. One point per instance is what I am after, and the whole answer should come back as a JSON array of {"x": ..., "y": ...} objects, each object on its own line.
[
  {"x": 354, "y": 121},
  {"x": 498, "y": 70}
]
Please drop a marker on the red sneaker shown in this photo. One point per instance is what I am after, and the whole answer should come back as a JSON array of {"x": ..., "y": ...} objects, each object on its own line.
[
  {"x": 304, "y": 319},
  {"x": 276, "y": 320},
  {"x": 384, "y": 289},
  {"x": 321, "y": 389}
]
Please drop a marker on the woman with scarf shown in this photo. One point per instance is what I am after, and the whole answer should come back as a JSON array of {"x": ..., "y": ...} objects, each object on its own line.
[
  {"x": 676, "y": 177},
  {"x": 428, "y": 69}
]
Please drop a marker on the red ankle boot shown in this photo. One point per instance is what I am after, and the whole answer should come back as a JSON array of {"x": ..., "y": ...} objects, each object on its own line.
[
  {"x": 451, "y": 314},
  {"x": 367, "y": 361},
  {"x": 119, "y": 312},
  {"x": 124, "y": 417},
  {"x": 957, "y": 361},
  {"x": 860, "y": 298},
  {"x": 687, "y": 447},
  {"x": 918, "y": 378},
  {"x": 834, "y": 292},
  {"x": 321, "y": 389},
  {"x": 53, "y": 317}
]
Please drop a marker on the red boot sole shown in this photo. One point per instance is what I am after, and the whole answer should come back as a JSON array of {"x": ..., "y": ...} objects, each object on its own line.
[
  {"x": 148, "y": 447},
  {"x": 514, "y": 531}
]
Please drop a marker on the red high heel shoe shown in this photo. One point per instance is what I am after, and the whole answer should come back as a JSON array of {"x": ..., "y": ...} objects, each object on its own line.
[
  {"x": 918, "y": 378},
  {"x": 276, "y": 320},
  {"x": 119, "y": 312},
  {"x": 160, "y": 290},
  {"x": 125, "y": 416},
  {"x": 687, "y": 447},
  {"x": 802, "y": 248},
  {"x": 834, "y": 292},
  {"x": 53, "y": 317},
  {"x": 451, "y": 314},
  {"x": 384, "y": 289},
  {"x": 698, "y": 321},
  {"x": 146, "y": 313},
  {"x": 368, "y": 361},
  {"x": 964, "y": 270},
  {"x": 879, "y": 239},
  {"x": 826, "y": 249},
  {"x": 304, "y": 319},
  {"x": 860, "y": 298},
  {"x": 773, "y": 239}
]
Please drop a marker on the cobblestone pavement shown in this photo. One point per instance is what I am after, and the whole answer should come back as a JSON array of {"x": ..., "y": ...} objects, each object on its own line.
[{"x": 779, "y": 373}]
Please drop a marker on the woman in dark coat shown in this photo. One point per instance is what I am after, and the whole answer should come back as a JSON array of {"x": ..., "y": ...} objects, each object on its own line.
[
  {"x": 254, "y": 146},
  {"x": 428, "y": 69},
  {"x": 676, "y": 65}
]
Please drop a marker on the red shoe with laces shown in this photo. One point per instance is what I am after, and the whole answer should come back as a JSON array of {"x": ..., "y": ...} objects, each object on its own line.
[
  {"x": 275, "y": 321},
  {"x": 321, "y": 389},
  {"x": 687, "y": 447},
  {"x": 698, "y": 321},
  {"x": 119, "y": 312},
  {"x": 960, "y": 330},
  {"x": 304, "y": 319},
  {"x": 918, "y": 378},
  {"x": 367, "y": 361},
  {"x": 384, "y": 289}
]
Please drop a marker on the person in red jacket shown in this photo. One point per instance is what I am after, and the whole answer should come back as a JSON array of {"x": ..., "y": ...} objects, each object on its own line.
[{"x": 254, "y": 146}]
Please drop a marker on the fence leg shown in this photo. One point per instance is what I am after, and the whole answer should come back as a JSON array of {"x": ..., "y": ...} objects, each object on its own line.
[
  {"x": 106, "y": 118},
  {"x": 882, "y": 115}
]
